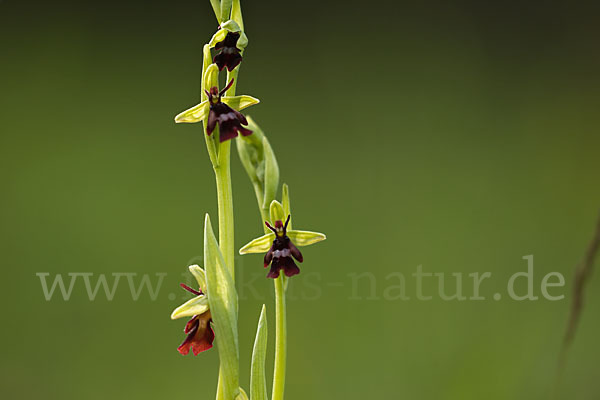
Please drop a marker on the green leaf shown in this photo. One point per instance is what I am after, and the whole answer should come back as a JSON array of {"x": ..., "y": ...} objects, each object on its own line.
[
  {"x": 240, "y": 102},
  {"x": 195, "y": 114},
  {"x": 271, "y": 173},
  {"x": 258, "y": 381},
  {"x": 200, "y": 276},
  {"x": 285, "y": 202},
  {"x": 305, "y": 238},
  {"x": 223, "y": 301},
  {"x": 259, "y": 245},
  {"x": 197, "y": 305},
  {"x": 277, "y": 213}
]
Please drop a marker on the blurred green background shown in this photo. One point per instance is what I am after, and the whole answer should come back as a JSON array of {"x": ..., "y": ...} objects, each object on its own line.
[{"x": 460, "y": 136}]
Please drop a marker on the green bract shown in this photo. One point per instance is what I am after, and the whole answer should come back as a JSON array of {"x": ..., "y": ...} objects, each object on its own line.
[
  {"x": 260, "y": 164},
  {"x": 225, "y": 9}
]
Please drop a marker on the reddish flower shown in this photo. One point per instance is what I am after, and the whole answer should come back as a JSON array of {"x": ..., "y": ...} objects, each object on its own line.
[{"x": 200, "y": 335}]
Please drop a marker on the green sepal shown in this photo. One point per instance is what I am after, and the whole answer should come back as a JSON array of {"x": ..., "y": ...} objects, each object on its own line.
[
  {"x": 240, "y": 102},
  {"x": 271, "y": 183},
  {"x": 223, "y": 301},
  {"x": 197, "y": 305},
  {"x": 242, "y": 42},
  {"x": 259, "y": 245},
  {"x": 200, "y": 276},
  {"x": 206, "y": 62},
  {"x": 277, "y": 213},
  {"x": 258, "y": 381},
  {"x": 305, "y": 238},
  {"x": 219, "y": 36},
  {"x": 211, "y": 77},
  {"x": 195, "y": 114},
  {"x": 229, "y": 26}
]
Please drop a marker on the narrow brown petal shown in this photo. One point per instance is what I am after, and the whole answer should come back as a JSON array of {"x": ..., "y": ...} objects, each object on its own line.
[
  {"x": 268, "y": 257},
  {"x": 295, "y": 252},
  {"x": 211, "y": 123}
]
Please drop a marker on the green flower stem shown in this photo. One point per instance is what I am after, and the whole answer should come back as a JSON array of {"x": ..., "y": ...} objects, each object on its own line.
[
  {"x": 226, "y": 229},
  {"x": 225, "y": 207},
  {"x": 280, "y": 340}
]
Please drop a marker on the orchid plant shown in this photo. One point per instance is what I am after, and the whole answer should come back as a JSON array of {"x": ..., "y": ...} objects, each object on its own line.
[{"x": 213, "y": 309}]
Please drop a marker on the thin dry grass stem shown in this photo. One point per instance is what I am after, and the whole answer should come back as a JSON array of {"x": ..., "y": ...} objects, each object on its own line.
[{"x": 583, "y": 272}]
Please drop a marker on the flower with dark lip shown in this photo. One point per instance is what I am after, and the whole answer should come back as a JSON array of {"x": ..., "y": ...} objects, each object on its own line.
[
  {"x": 280, "y": 244},
  {"x": 218, "y": 108},
  {"x": 281, "y": 252},
  {"x": 229, "y": 55},
  {"x": 200, "y": 335},
  {"x": 230, "y": 121}
]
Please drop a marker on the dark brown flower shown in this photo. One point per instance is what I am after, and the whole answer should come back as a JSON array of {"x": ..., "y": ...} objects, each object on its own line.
[
  {"x": 229, "y": 55},
  {"x": 281, "y": 252},
  {"x": 230, "y": 121}
]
